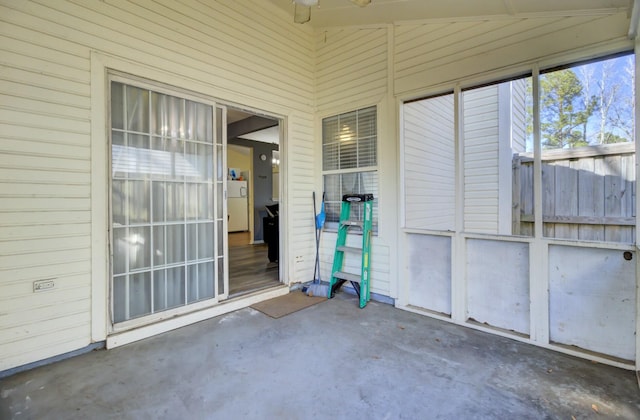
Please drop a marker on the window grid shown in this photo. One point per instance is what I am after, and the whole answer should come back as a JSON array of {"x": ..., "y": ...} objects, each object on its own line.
[
  {"x": 139, "y": 173},
  {"x": 349, "y": 144}
]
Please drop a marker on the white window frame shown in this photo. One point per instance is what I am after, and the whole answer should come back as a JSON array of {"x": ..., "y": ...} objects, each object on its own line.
[{"x": 333, "y": 225}]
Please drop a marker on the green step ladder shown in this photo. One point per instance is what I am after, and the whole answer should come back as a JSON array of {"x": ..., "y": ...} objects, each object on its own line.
[{"x": 360, "y": 281}]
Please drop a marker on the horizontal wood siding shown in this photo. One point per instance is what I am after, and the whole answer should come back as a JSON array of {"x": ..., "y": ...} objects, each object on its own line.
[
  {"x": 430, "y": 54},
  {"x": 351, "y": 67},
  {"x": 481, "y": 130},
  {"x": 429, "y": 164},
  {"x": 248, "y": 51},
  {"x": 351, "y": 73}
]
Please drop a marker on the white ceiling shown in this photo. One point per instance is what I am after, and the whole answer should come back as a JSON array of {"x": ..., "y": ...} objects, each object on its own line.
[
  {"x": 268, "y": 135},
  {"x": 343, "y": 13}
]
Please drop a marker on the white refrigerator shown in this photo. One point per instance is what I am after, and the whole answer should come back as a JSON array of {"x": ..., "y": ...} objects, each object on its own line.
[{"x": 237, "y": 206}]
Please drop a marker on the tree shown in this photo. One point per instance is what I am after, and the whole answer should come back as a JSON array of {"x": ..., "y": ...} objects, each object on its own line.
[{"x": 563, "y": 116}]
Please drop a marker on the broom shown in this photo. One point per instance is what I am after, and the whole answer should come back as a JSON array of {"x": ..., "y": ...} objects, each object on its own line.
[{"x": 317, "y": 288}]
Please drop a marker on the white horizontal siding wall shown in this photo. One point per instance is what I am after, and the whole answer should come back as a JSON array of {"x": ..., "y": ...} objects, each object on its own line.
[
  {"x": 241, "y": 51},
  {"x": 481, "y": 140},
  {"x": 352, "y": 73},
  {"x": 429, "y": 164}
]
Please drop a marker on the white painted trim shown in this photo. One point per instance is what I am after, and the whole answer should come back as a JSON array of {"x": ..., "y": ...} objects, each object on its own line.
[
  {"x": 458, "y": 242},
  {"x": 99, "y": 194},
  {"x": 635, "y": 20},
  {"x": 390, "y": 229},
  {"x": 637, "y": 128},
  {"x": 561, "y": 349},
  {"x": 515, "y": 16},
  {"x": 101, "y": 64},
  {"x": 120, "y": 339},
  {"x": 538, "y": 251},
  {"x": 521, "y": 69},
  {"x": 505, "y": 165}
]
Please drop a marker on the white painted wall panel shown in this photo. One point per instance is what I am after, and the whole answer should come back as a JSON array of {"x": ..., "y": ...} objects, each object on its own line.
[
  {"x": 429, "y": 163},
  {"x": 498, "y": 284},
  {"x": 592, "y": 300},
  {"x": 247, "y": 52},
  {"x": 429, "y": 267}
]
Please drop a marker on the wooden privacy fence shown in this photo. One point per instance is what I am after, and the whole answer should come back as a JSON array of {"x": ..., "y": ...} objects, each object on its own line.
[{"x": 588, "y": 193}]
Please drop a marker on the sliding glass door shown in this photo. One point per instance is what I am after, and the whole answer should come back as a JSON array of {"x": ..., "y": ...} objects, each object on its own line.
[{"x": 167, "y": 206}]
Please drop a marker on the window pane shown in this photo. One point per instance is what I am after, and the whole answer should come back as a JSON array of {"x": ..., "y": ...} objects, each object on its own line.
[
  {"x": 120, "y": 301},
  {"x": 190, "y": 117},
  {"x": 192, "y": 242},
  {"x": 174, "y": 201},
  {"x": 175, "y": 243},
  {"x": 159, "y": 290},
  {"x": 204, "y": 123},
  {"x": 205, "y": 240},
  {"x": 498, "y": 177},
  {"x": 137, "y": 109},
  {"x": 192, "y": 283},
  {"x": 158, "y": 201},
  {"x": 120, "y": 249},
  {"x": 139, "y": 243},
  {"x": 159, "y": 246},
  {"x": 588, "y": 158},
  {"x": 139, "y": 294},
  {"x": 367, "y": 123},
  {"x": 117, "y": 105},
  {"x": 205, "y": 280},
  {"x": 192, "y": 201},
  {"x": 175, "y": 287},
  {"x": 139, "y": 197},
  {"x": 119, "y": 202},
  {"x": 429, "y": 163}
]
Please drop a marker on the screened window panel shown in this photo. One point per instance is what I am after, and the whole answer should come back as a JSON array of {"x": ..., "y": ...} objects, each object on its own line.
[
  {"x": 429, "y": 163},
  {"x": 587, "y": 124}
]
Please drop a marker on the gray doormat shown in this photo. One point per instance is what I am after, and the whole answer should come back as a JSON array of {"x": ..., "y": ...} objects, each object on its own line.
[{"x": 287, "y": 304}]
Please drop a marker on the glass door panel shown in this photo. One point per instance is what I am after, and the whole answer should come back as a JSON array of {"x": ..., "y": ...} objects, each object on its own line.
[{"x": 166, "y": 218}]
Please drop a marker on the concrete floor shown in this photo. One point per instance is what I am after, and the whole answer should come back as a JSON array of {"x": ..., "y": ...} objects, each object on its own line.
[{"x": 331, "y": 360}]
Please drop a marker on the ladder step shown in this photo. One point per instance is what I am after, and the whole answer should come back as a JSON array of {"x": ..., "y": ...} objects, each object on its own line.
[
  {"x": 347, "y": 276},
  {"x": 349, "y": 249},
  {"x": 351, "y": 223}
]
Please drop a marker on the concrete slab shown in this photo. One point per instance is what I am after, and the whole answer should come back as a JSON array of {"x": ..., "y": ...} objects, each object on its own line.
[{"x": 331, "y": 360}]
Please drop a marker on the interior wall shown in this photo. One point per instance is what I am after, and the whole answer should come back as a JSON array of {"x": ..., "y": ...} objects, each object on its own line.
[{"x": 262, "y": 176}]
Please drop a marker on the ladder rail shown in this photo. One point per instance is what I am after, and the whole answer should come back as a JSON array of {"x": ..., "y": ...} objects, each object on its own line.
[{"x": 360, "y": 282}]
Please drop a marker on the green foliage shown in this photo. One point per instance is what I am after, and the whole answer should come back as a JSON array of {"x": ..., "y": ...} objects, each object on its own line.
[
  {"x": 610, "y": 138},
  {"x": 563, "y": 117}
]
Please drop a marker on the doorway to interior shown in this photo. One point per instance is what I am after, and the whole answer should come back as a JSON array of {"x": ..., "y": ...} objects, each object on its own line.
[{"x": 253, "y": 183}]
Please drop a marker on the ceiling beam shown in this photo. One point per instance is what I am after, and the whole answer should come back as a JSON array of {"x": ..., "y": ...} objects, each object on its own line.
[{"x": 249, "y": 125}]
